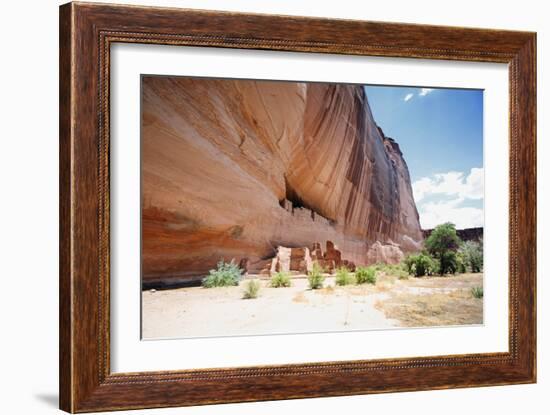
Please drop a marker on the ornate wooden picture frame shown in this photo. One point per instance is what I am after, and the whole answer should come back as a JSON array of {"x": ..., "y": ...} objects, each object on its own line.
[{"x": 87, "y": 32}]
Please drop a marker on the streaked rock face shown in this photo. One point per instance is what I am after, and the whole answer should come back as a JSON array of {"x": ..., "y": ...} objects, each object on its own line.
[{"x": 234, "y": 169}]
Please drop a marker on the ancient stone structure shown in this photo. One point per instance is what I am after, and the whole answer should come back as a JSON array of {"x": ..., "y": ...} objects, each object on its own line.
[
  {"x": 300, "y": 260},
  {"x": 235, "y": 169},
  {"x": 243, "y": 265},
  {"x": 297, "y": 260}
]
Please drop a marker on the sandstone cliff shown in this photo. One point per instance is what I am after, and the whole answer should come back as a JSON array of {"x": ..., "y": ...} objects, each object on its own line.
[{"x": 234, "y": 169}]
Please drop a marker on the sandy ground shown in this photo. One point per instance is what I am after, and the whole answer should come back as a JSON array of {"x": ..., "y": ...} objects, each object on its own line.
[{"x": 201, "y": 312}]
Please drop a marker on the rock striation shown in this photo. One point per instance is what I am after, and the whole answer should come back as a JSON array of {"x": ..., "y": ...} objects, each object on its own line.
[{"x": 237, "y": 169}]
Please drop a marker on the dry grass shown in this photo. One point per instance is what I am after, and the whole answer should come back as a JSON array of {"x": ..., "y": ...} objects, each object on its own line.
[
  {"x": 438, "y": 309},
  {"x": 327, "y": 290},
  {"x": 416, "y": 302},
  {"x": 455, "y": 281},
  {"x": 384, "y": 283},
  {"x": 300, "y": 298}
]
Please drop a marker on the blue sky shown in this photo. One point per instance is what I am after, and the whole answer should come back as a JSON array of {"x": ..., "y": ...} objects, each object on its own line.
[{"x": 440, "y": 132}]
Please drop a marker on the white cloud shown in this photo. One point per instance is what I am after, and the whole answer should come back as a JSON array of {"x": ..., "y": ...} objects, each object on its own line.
[
  {"x": 451, "y": 190},
  {"x": 436, "y": 213},
  {"x": 424, "y": 91},
  {"x": 453, "y": 183},
  {"x": 475, "y": 184}
]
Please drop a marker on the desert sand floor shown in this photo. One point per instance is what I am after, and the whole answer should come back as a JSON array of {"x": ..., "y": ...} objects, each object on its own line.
[{"x": 414, "y": 302}]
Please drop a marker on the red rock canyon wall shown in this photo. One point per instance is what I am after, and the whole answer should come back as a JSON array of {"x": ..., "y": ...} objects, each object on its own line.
[{"x": 234, "y": 169}]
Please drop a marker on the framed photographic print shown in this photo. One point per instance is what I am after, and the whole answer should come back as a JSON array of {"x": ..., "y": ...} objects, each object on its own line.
[{"x": 260, "y": 207}]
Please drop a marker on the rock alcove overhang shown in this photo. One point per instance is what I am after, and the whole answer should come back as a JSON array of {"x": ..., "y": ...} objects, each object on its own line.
[{"x": 220, "y": 157}]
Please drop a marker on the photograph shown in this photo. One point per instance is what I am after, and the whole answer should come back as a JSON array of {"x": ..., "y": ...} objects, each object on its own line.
[{"x": 280, "y": 207}]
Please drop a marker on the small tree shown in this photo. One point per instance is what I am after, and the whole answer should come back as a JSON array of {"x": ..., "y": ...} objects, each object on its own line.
[{"x": 442, "y": 244}]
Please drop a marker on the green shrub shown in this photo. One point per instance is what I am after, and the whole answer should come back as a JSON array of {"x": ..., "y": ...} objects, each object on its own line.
[
  {"x": 403, "y": 275},
  {"x": 226, "y": 274},
  {"x": 448, "y": 263},
  {"x": 420, "y": 265},
  {"x": 473, "y": 255},
  {"x": 396, "y": 270},
  {"x": 477, "y": 292},
  {"x": 365, "y": 275},
  {"x": 461, "y": 262},
  {"x": 280, "y": 279},
  {"x": 315, "y": 277},
  {"x": 343, "y": 276},
  {"x": 251, "y": 289},
  {"x": 398, "y": 267},
  {"x": 385, "y": 268}
]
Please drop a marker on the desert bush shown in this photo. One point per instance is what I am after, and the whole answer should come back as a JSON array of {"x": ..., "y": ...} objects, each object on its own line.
[
  {"x": 403, "y": 275},
  {"x": 448, "y": 263},
  {"x": 226, "y": 274},
  {"x": 461, "y": 267},
  {"x": 399, "y": 271},
  {"x": 365, "y": 275},
  {"x": 396, "y": 270},
  {"x": 420, "y": 265},
  {"x": 473, "y": 255},
  {"x": 280, "y": 279},
  {"x": 315, "y": 277},
  {"x": 251, "y": 289},
  {"x": 343, "y": 276},
  {"x": 477, "y": 292}
]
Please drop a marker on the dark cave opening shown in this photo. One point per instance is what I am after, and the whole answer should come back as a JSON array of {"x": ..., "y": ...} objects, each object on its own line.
[
  {"x": 296, "y": 202},
  {"x": 292, "y": 196}
]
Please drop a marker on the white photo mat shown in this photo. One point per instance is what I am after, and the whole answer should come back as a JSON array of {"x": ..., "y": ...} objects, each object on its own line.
[{"x": 131, "y": 354}]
